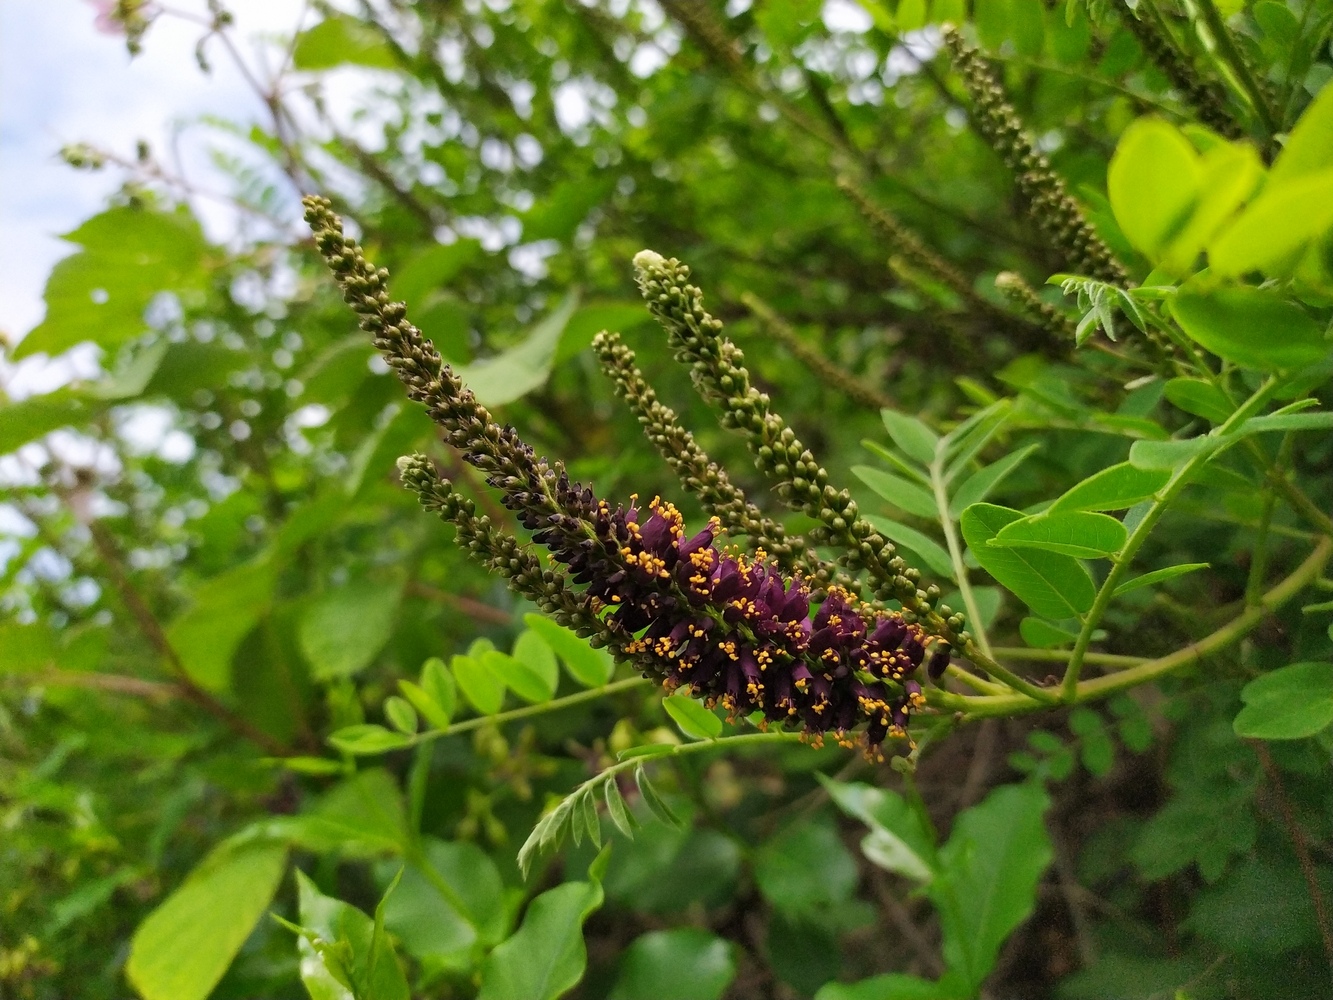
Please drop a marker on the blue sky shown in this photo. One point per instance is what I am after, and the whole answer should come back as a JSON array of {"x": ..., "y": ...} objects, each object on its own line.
[{"x": 63, "y": 81}]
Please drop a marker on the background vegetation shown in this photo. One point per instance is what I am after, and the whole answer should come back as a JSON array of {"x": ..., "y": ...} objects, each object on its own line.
[{"x": 242, "y": 672}]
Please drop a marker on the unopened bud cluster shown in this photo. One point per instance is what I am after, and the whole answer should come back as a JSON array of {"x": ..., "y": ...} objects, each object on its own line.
[
  {"x": 717, "y": 367},
  {"x": 1048, "y": 199},
  {"x": 736, "y": 629}
]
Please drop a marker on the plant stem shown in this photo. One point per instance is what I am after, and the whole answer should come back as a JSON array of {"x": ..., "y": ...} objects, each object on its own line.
[
  {"x": 956, "y": 550},
  {"x": 528, "y": 711},
  {"x": 1237, "y": 64},
  {"x": 1062, "y": 656},
  {"x": 1179, "y": 480},
  {"x": 1149, "y": 670}
]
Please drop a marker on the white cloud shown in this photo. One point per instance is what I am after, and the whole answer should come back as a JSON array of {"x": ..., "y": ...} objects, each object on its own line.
[{"x": 61, "y": 81}]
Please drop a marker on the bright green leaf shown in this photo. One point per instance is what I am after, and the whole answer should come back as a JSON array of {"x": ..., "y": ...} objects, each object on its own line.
[
  {"x": 128, "y": 255},
  {"x": 1053, "y": 585},
  {"x": 1153, "y": 183},
  {"x": 401, "y": 715},
  {"x": 341, "y": 955},
  {"x": 694, "y": 720},
  {"x": 518, "y": 677},
  {"x": 1309, "y": 147},
  {"x": 341, "y": 40},
  {"x": 515, "y": 372},
  {"x": 1116, "y": 488},
  {"x": 184, "y": 946},
  {"x": 535, "y": 653},
  {"x": 1270, "y": 234},
  {"x": 913, "y": 438},
  {"x": 590, "y": 667},
  {"x": 366, "y": 739},
  {"x": 480, "y": 685}
]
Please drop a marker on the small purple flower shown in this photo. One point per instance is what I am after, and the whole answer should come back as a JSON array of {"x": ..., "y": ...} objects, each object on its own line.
[{"x": 733, "y": 629}]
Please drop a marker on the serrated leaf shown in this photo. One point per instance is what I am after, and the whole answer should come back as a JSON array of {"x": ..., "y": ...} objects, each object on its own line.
[
  {"x": 1157, "y": 576},
  {"x": 694, "y": 720},
  {"x": 902, "y": 494},
  {"x": 931, "y": 552},
  {"x": 1054, "y": 586},
  {"x": 913, "y": 438},
  {"x": 654, "y": 801},
  {"x": 979, "y": 485},
  {"x": 1116, "y": 488}
]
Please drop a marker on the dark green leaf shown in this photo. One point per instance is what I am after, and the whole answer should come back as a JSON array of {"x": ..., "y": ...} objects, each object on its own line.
[
  {"x": 546, "y": 957},
  {"x": 1157, "y": 576},
  {"x": 897, "y": 841},
  {"x": 904, "y": 495},
  {"x": 684, "y": 964},
  {"x": 1287, "y": 704},
  {"x": 805, "y": 869},
  {"x": 988, "y": 874},
  {"x": 1254, "y": 327},
  {"x": 1203, "y": 399},
  {"x": 979, "y": 485},
  {"x": 344, "y": 628}
]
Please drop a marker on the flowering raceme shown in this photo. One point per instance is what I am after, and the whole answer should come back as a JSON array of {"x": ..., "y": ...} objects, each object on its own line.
[{"x": 731, "y": 627}]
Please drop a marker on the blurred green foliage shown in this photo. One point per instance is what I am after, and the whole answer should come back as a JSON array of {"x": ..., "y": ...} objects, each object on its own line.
[{"x": 241, "y": 673}]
